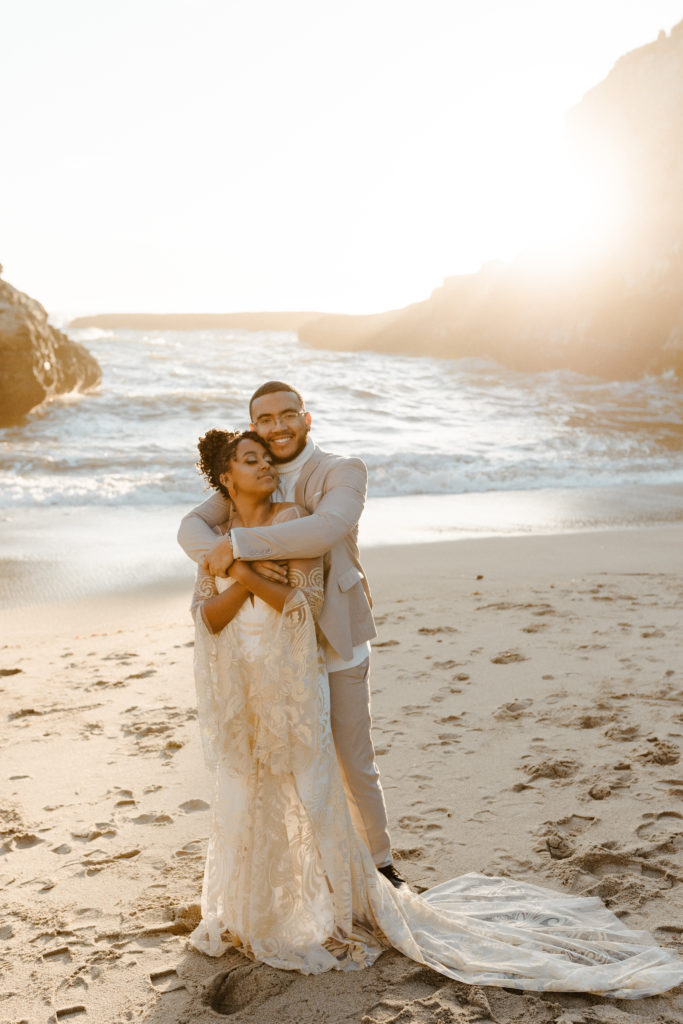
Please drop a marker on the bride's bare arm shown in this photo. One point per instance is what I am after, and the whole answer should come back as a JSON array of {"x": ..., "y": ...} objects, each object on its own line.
[{"x": 218, "y": 610}]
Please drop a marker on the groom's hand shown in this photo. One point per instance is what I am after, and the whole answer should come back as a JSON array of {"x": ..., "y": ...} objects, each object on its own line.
[
  {"x": 276, "y": 571},
  {"x": 218, "y": 560}
]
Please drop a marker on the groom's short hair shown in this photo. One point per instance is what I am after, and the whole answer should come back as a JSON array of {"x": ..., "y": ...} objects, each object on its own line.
[{"x": 271, "y": 386}]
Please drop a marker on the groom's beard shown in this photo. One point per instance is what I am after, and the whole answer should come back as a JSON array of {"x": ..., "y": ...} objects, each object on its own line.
[{"x": 282, "y": 460}]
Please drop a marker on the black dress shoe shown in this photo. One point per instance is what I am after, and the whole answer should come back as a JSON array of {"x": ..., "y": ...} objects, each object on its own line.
[{"x": 390, "y": 872}]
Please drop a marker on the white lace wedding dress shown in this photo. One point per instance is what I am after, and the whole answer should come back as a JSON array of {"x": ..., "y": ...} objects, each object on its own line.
[{"x": 290, "y": 882}]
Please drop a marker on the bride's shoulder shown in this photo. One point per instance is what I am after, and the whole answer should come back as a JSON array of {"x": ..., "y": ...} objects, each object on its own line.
[{"x": 286, "y": 510}]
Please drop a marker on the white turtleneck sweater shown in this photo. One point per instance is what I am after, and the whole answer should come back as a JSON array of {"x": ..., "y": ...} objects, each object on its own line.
[
  {"x": 288, "y": 476},
  {"x": 288, "y": 472}
]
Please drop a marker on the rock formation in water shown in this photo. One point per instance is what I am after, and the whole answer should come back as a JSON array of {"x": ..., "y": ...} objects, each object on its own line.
[
  {"x": 37, "y": 361},
  {"x": 195, "y": 321},
  {"x": 619, "y": 313}
]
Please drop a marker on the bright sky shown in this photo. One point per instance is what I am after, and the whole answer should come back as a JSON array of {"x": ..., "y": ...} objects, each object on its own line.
[{"x": 216, "y": 155}]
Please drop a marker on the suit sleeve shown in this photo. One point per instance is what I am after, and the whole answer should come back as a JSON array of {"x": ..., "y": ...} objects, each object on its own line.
[
  {"x": 337, "y": 513},
  {"x": 196, "y": 534}
]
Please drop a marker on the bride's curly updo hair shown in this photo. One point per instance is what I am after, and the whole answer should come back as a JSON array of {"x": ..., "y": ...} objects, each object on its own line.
[{"x": 216, "y": 451}]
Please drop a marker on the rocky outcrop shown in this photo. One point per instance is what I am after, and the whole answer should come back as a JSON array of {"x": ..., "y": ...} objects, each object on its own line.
[
  {"x": 618, "y": 314},
  {"x": 37, "y": 361}
]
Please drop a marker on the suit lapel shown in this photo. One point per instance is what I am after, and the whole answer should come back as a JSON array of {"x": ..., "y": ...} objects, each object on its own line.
[{"x": 304, "y": 477}]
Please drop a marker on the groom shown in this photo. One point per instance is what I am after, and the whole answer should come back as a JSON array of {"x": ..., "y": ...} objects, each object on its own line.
[{"x": 332, "y": 488}]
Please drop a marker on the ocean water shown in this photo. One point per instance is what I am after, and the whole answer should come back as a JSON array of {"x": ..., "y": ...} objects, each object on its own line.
[
  {"x": 92, "y": 487},
  {"x": 423, "y": 426}
]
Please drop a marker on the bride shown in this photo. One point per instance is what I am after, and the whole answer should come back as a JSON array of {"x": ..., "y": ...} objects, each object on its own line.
[{"x": 288, "y": 880}]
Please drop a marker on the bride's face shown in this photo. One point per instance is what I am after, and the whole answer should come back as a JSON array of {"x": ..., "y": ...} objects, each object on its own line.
[{"x": 251, "y": 470}]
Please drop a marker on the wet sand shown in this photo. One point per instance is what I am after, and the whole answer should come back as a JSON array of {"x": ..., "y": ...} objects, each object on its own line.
[
  {"x": 53, "y": 553},
  {"x": 527, "y": 720}
]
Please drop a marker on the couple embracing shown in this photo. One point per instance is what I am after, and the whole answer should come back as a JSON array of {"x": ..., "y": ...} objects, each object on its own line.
[{"x": 299, "y": 872}]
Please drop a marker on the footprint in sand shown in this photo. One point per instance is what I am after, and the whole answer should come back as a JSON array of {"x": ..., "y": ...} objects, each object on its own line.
[
  {"x": 622, "y": 878},
  {"x": 559, "y": 837},
  {"x": 513, "y": 709},
  {"x": 508, "y": 658},
  {"x": 19, "y": 841},
  {"x": 98, "y": 830},
  {"x": 675, "y": 787},
  {"x": 68, "y": 1013},
  {"x": 622, "y": 733},
  {"x": 664, "y": 829},
  {"x": 589, "y": 721},
  {"x": 62, "y": 953},
  {"x": 447, "y": 1004},
  {"x": 61, "y": 849},
  {"x": 659, "y": 752},
  {"x": 194, "y": 805},
  {"x": 244, "y": 987},
  {"x": 600, "y": 791},
  {"x": 552, "y": 768},
  {"x": 167, "y": 980},
  {"x": 408, "y": 852},
  {"x": 23, "y": 713},
  {"x": 150, "y": 727},
  {"x": 124, "y": 657},
  {"x": 125, "y": 797},
  {"x": 414, "y": 709},
  {"x": 191, "y": 849},
  {"x": 558, "y": 845},
  {"x": 105, "y": 684},
  {"x": 89, "y": 729},
  {"x": 93, "y": 866}
]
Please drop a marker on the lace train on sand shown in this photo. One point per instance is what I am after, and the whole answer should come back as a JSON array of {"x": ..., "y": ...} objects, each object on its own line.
[{"x": 290, "y": 882}]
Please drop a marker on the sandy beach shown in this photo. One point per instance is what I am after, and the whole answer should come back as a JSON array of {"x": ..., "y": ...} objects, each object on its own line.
[{"x": 527, "y": 721}]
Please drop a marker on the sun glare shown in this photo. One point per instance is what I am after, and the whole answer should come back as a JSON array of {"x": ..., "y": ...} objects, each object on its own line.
[
  {"x": 330, "y": 169},
  {"x": 571, "y": 218}
]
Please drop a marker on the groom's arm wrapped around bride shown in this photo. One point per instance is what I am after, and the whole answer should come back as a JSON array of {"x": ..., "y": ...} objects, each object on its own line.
[
  {"x": 217, "y": 609},
  {"x": 335, "y": 510},
  {"x": 332, "y": 488}
]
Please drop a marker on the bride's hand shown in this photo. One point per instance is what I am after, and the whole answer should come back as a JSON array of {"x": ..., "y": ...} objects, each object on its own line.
[
  {"x": 276, "y": 571},
  {"x": 218, "y": 560}
]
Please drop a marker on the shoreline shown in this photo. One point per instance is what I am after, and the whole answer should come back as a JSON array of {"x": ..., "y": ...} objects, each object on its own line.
[
  {"x": 457, "y": 560},
  {"x": 526, "y": 718},
  {"x": 51, "y": 554}
]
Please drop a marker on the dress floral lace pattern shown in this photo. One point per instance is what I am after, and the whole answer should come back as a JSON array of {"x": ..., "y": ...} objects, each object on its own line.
[{"x": 290, "y": 882}]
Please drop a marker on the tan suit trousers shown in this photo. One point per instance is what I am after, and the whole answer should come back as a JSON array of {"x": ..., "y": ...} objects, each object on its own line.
[{"x": 351, "y": 725}]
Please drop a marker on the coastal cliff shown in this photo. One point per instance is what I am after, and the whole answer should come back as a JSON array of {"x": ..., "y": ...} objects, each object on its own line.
[
  {"x": 617, "y": 314},
  {"x": 37, "y": 361}
]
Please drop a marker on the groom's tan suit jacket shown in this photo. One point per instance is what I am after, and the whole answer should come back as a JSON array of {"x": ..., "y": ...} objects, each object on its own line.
[{"x": 332, "y": 488}]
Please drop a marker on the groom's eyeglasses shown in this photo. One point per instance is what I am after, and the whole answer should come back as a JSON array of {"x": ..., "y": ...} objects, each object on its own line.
[{"x": 288, "y": 418}]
